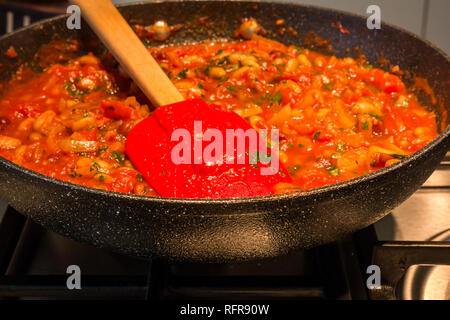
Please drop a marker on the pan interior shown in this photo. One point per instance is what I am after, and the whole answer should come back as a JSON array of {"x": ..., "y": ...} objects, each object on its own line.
[{"x": 222, "y": 18}]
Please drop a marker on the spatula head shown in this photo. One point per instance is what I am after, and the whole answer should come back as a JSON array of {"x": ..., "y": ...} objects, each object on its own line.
[{"x": 184, "y": 130}]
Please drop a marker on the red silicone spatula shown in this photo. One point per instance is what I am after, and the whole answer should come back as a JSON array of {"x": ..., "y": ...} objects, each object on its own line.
[{"x": 149, "y": 145}]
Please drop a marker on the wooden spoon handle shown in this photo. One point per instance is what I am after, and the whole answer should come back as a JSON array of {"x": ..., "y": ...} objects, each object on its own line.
[{"x": 130, "y": 52}]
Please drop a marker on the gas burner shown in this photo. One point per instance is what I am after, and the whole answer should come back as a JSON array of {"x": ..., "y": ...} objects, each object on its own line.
[{"x": 427, "y": 282}]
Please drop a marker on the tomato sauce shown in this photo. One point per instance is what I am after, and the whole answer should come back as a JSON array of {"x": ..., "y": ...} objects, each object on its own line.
[{"x": 337, "y": 118}]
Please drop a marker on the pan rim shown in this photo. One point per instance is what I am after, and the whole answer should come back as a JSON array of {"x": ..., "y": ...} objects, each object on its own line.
[{"x": 322, "y": 191}]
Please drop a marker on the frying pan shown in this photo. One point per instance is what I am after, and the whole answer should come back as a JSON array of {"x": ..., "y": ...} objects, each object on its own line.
[{"x": 205, "y": 230}]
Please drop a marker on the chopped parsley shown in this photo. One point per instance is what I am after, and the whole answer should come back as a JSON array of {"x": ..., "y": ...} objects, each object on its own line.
[
  {"x": 276, "y": 97},
  {"x": 96, "y": 165},
  {"x": 293, "y": 169},
  {"x": 398, "y": 156},
  {"x": 340, "y": 147},
  {"x": 333, "y": 170},
  {"x": 182, "y": 74},
  {"x": 74, "y": 92},
  {"x": 316, "y": 135},
  {"x": 376, "y": 116},
  {"x": 118, "y": 156},
  {"x": 365, "y": 125},
  {"x": 102, "y": 149},
  {"x": 373, "y": 89},
  {"x": 231, "y": 88}
]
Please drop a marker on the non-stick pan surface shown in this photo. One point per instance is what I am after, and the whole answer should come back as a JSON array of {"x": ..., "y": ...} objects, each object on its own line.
[{"x": 232, "y": 229}]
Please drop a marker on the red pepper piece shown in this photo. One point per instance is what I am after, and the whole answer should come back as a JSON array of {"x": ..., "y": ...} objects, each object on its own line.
[
  {"x": 118, "y": 110},
  {"x": 149, "y": 147},
  {"x": 387, "y": 82}
]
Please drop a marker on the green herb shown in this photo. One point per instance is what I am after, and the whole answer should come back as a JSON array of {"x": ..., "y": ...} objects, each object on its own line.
[
  {"x": 340, "y": 147},
  {"x": 235, "y": 66},
  {"x": 74, "y": 92},
  {"x": 300, "y": 145},
  {"x": 169, "y": 75},
  {"x": 102, "y": 149},
  {"x": 398, "y": 156},
  {"x": 96, "y": 165},
  {"x": 219, "y": 52},
  {"x": 405, "y": 104},
  {"x": 120, "y": 137},
  {"x": 369, "y": 66},
  {"x": 373, "y": 114},
  {"x": 281, "y": 173},
  {"x": 290, "y": 145},
  {"x": 276, "y": 97},
  {"x": 328, "y": 87},
  {"x": 222, "y": 80},
  {"x": 90, "y": 127},
  {"x": 365, "y": 125},
  {"x": 139, "y": 177},
  {"x": 162, "y": 172},
  {"x": 117, "y": 155},
  {"x": 316, "y": 135},
  {"x": 222, "y": 61},
  {"x": 200, "y": 86},
  {"x": 293, "y": 169},
  {"x": 333, "y": 170},
  {"x": 231, "y": 88},
  {"x": 182, "y": 74},
  {"x": 102, "y": 178},
  {"x": 373, "y": 89}
]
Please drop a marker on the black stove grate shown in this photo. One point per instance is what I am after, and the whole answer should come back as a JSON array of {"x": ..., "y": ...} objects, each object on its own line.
[{"x": 326, "y": 272}]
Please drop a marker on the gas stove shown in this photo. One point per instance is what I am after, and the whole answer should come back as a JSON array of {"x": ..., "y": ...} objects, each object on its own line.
[{"x": 34, "y": 261}]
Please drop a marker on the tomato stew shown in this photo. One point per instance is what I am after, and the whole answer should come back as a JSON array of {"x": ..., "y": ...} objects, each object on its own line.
[{"x": 338, "y": 118}]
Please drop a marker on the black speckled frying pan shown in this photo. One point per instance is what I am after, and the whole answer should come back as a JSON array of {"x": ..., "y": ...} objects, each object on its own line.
[{"x": 232, "y": 229}]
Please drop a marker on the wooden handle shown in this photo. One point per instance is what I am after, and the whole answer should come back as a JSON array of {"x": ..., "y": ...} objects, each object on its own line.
[{"x": 130, "y": 52}]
